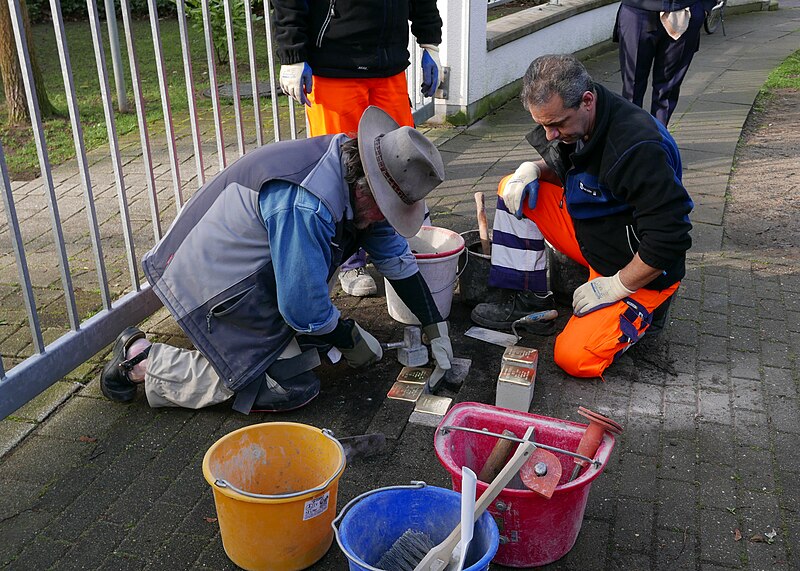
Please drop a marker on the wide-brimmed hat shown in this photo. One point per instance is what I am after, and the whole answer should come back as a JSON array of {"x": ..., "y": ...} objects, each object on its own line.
[{"x": 402, "y": 166}]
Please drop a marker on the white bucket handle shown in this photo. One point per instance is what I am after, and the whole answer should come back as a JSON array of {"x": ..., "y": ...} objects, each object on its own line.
[
  {"x": 415, "y": 485},
  {"x": 222, "y": 483},
  {"x": 452, "y": 283}
]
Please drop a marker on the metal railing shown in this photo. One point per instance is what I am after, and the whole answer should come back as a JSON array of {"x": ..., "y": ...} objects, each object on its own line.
[{"x": 146, "y": 199}]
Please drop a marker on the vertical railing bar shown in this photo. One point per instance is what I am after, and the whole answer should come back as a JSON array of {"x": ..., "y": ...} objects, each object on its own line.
[
  {"x": 165, "y": 105},
  {"x": 237, "y": 107},
  {"x": 273, "y": 88},
  {"x": 141, "y": 118},
  {"x": 190, "y": 92},
  {"x": 44, "y": 161},
  {"x": 411, "y": 74},
  {"x": 80, "y": 151},
  {"x": 19, "y": 254},
  {"x": 212, "y": 77},
  {"x": 113, "y": 143},
  {"x": 116, "y": 57},
  {"x": 251, "y": 52},
  {"x": 465, "y": 49},
  {"x": 292, "y": 122}
]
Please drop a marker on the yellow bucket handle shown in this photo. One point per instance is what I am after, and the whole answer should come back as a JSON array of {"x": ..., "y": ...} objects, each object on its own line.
[{"x": 221, "y": 483}]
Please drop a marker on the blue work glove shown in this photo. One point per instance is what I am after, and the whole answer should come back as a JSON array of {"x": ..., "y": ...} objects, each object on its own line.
[
  {"x": 296, "y": 81},
  {"x": 524, "y": 183},
  {"x": 431, "y": 69}
]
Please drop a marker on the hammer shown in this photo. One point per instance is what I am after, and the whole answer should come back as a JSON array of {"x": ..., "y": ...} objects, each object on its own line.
[{"x": 410, "y": 351}]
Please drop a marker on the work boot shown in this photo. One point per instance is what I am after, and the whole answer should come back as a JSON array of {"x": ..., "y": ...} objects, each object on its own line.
[
  {"x": 115, "y": 382},
  {"x": 357, "y": 282},
  {"x": 503, "y": 314},
  {"x": 288, "y": 394}
]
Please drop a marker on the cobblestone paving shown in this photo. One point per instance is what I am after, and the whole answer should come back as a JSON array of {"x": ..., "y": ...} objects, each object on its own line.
[{"x": 704, "y": 476}]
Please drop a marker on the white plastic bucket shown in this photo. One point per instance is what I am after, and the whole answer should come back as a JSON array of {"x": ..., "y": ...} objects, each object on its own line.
[{"x": 437, "y": 251}]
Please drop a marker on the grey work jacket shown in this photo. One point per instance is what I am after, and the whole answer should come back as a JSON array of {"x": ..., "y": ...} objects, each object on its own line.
[{"x": 213, "y": 269}]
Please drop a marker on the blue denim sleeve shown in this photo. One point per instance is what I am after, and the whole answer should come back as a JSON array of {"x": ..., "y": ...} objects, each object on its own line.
[
  {"x": 389, "y": 251},
  {"x": 300, "y": 231}
]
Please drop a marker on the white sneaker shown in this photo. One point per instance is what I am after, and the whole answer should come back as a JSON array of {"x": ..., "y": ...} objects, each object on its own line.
[{"x": 357, "y": 282}]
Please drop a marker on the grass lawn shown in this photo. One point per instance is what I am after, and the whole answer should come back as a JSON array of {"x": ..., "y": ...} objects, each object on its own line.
[
  {"x": 18, "y": 143},
  {"x": 786, "y": 75}
]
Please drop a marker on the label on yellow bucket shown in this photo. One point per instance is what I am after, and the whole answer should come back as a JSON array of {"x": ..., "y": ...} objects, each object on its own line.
[{"x": 316, "y": 506}]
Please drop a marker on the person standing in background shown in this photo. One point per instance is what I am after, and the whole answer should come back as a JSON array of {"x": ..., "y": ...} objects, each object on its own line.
[
  {"x": 338, "y": 58},
  {"x": 662, "y": 37}
]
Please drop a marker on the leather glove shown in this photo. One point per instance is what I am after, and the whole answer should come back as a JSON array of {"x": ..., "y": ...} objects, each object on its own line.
[
  {"x": 597, "y": 293},
  {"x": 431, "y": 69},
  {"x": 296, "y": 81},
  {"x": 524, "y": 183},
  {"x": 365, "y": 350},
  {"x": 442, "y": 351}
]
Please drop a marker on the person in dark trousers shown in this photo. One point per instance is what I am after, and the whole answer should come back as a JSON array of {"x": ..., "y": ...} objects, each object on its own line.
[
  {"x": 244, "y": 270},
  {"x": 337, "y": 58},
  {"x": 608, "y": 194},
  {"x": 659, "y": 37}
]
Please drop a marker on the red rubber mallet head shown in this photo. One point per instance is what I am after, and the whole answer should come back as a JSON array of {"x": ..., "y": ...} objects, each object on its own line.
[{"x": 590, "y": 441}]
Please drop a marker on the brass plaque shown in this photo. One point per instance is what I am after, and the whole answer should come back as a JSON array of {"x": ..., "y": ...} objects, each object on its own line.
[
  {"x": 517, "y": 375},
  {"x": 402, "y": 390},
  {"x": 432, "y": 404},
  {"x": 417, "y": 375},
  {"x": 521, "y": 357}
]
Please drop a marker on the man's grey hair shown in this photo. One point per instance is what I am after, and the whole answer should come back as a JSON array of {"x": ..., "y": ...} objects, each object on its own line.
[
  {"x": 351, "y": 160},
  {"x": 555, "y": 74}
]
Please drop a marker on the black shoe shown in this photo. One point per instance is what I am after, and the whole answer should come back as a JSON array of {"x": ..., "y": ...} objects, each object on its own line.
[
  {"x": 114, "y": 382},
  {"x": 502, "y": 315},
  {"x": 288, "y": 394}
]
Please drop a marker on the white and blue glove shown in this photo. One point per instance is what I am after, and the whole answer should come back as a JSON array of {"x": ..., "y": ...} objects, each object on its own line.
[
  {"x": 597, "y": 293},
  {"x": 296, "y": 81},
  {"x": 431, "y": 69},
  {"x": 523, "y": 184}
]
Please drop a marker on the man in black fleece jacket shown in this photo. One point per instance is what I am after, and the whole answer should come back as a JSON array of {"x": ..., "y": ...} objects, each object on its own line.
[{"x": 608, "y": 194}]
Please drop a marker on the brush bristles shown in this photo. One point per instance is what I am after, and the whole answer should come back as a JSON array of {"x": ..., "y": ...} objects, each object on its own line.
[{"x": 406, "y": 553}]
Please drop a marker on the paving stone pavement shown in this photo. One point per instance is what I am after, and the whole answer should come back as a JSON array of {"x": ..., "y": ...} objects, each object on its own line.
[{"x": 711, "y": 410}]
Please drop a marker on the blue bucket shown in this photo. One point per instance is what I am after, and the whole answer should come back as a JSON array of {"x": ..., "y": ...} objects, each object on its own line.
[{"x": 372, "y": 522}]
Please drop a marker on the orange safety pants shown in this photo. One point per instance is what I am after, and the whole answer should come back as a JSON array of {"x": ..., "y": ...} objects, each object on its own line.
[
  {"x": 590, "y": 343},
  {"x": 337, "y": 103}
]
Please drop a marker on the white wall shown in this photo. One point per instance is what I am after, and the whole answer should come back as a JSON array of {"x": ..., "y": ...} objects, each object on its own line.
[{"x": 490, "y": 71}]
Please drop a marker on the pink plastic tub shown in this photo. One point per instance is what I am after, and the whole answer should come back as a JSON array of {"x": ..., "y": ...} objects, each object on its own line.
[{"x": 533, "y": 530}]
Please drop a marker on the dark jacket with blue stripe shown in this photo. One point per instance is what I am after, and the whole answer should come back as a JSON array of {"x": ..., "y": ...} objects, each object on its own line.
[
  {"x": 623, "y": 190},
  {"x": 353, "y": 38}
]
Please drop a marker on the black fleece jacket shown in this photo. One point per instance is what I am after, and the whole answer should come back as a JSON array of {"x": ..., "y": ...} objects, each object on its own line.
[
  {"x": 623, "y": 190},
  {"x": 353, "y": 38}
]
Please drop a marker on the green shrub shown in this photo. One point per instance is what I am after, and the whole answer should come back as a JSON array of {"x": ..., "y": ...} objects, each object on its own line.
[
  {"x": 76, "y": 9},
  {"x": 216, "y": 16}
]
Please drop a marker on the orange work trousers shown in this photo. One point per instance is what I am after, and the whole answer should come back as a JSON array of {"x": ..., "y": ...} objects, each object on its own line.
[
  {"x": 337, "y": 103},
  {"x": 590, "y": 343}
]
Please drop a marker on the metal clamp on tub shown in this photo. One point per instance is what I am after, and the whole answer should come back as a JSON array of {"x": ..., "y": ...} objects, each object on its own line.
[
  {"x": 222, "y": 483},
  {"x": 595, "y": 463},
  {"x": 415, "y": 485}
]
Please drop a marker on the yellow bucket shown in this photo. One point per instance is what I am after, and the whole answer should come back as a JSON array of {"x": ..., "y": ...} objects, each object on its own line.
[{"x": 275, "y": 487}]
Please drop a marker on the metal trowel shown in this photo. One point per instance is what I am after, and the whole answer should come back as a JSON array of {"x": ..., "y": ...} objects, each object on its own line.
[{"x": 363, "y": 445}]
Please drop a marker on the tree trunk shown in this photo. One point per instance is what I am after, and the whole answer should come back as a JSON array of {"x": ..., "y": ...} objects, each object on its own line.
[{"x": 11, "y": 73}]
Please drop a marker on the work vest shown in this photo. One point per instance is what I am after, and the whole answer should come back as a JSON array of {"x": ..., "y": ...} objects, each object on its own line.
[{"x": 213, "y": 269}]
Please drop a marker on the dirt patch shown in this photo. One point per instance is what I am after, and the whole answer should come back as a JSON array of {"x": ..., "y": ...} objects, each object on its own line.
[{"x": 763, "y": 211}]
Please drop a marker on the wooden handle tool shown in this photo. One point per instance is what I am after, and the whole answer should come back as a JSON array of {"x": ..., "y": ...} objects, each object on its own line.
[{"x": 483, "y": 226}]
